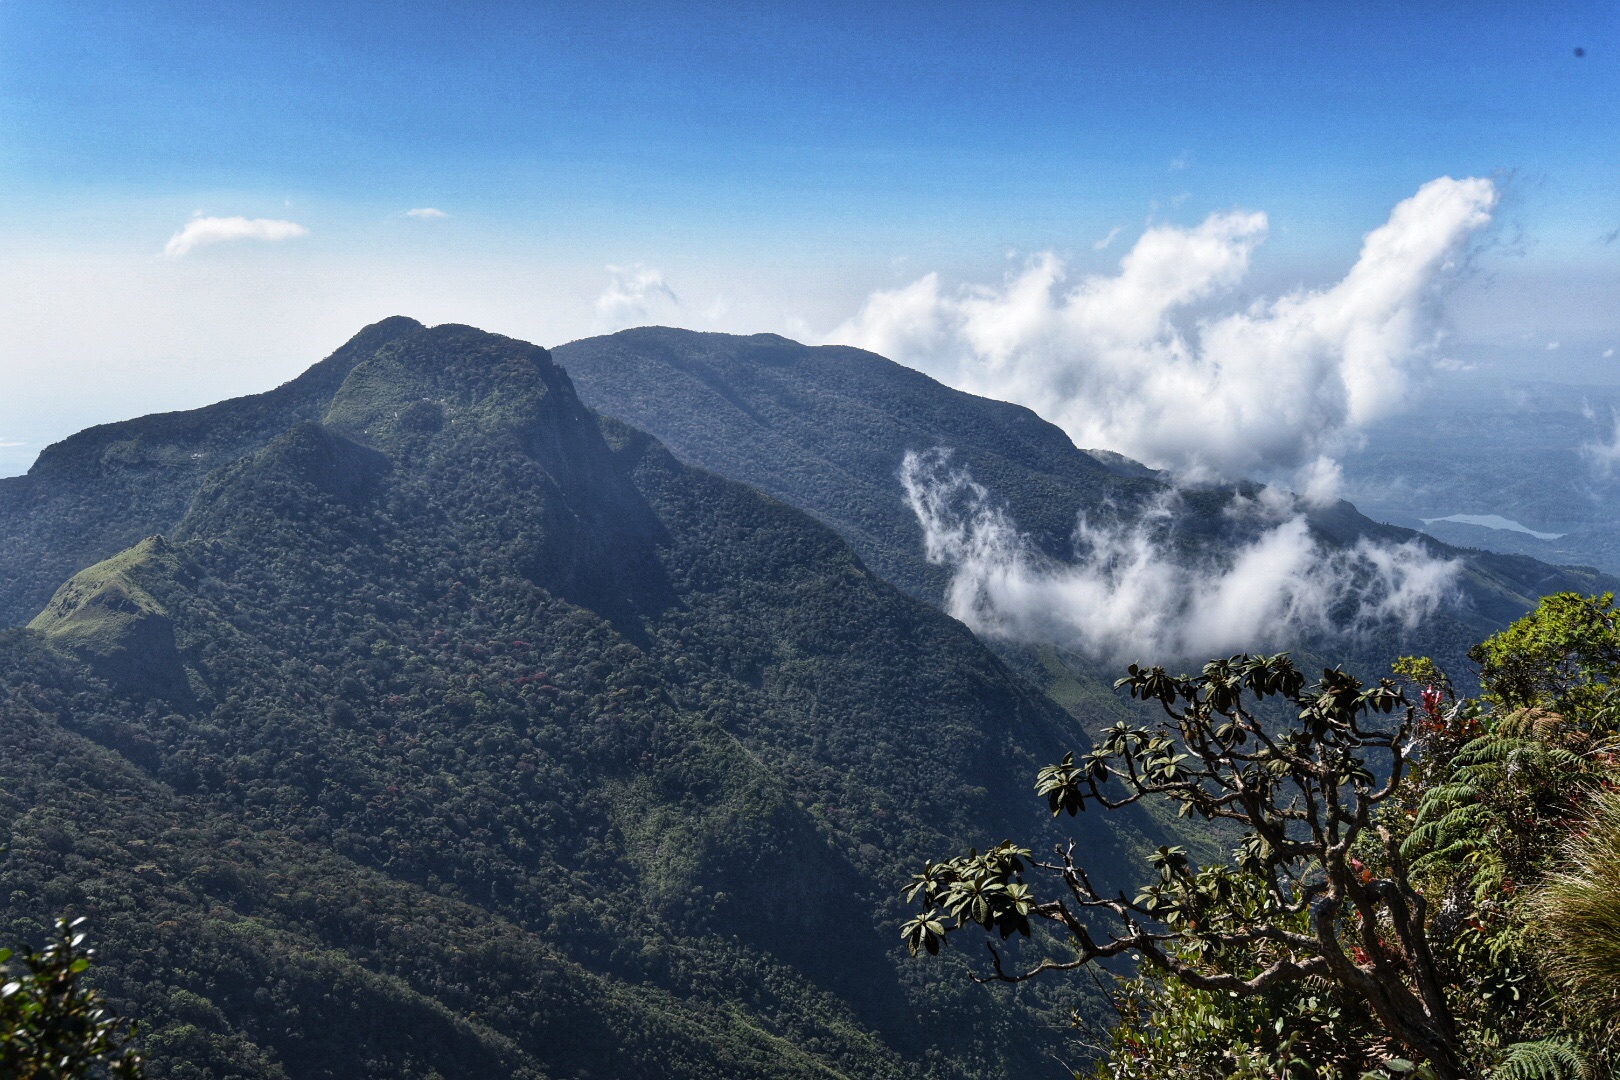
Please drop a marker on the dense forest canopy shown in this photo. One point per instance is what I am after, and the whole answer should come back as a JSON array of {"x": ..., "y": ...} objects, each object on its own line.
[
  {"x": 414, "y": 720},
  {"x": 460, "y": 731}
]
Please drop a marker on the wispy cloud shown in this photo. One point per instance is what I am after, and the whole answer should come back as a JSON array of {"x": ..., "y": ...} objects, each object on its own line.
[
  {"x": 633, "y": 297},
  {"x": 8, "y": 444},
  {"x": 1127, "y": 594},
  {"x": 1102, "y": 245},
  {"x": 201, "y": 231},
  {"x": 426, "y": 212},
  {"x": 1117, "y": 362},
  {"x": 1602, "y": 454}
]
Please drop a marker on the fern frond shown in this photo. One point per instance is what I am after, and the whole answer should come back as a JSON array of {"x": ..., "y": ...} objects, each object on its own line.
[
  {"x": 1543, "y": 1059},
  {"x": 1463, "y": 824}
]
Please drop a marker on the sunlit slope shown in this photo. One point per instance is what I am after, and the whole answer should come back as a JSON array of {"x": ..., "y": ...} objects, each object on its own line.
[{"x": 472, "y": 659}]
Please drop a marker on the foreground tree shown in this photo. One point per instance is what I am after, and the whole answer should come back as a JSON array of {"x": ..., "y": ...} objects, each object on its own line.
[
  {"x": 1315, "y": 953},
  {"x": 1319, "y": 896},
  {"x": 53, "y": 1027}
]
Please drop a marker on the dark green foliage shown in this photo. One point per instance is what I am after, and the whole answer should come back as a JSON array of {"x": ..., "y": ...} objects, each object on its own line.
[
  {"x": 495, "y": 742},
  {"x": 53, "y": 1027},
  {"x": 1543, "y": 1059},
  {"x": 1564, "y": 659},
  {"x": 1316, "y": 898},
  {"x": 1510, "y": 830},
  {"x": 825, "y": 429},
  {"x": 1502, "y": 814}
]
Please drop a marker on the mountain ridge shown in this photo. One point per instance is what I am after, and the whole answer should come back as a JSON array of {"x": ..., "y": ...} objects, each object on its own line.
[
  {"x": 98, "y": 491},
  {"x": 787, "y": 436},
  {"x": 498, "y": 662}
]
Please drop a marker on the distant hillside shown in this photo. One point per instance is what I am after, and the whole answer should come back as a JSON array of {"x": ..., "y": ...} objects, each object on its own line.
[
  {"x": 825, "y": 428},
  {"x": 1597, "y": 545},
  {"x": 455, "y": 732}
]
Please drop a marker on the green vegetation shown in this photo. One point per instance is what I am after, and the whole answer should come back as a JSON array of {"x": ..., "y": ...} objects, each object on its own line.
[
  {"x": 52, "y": 1027},
  {"x": 91, "y": 496},
  {"x": 410, "y": 720},
  {"x": 1577, "y": 908},
  {"x": 1420, "y": 887},
  {"x": 492, "y": 741}
]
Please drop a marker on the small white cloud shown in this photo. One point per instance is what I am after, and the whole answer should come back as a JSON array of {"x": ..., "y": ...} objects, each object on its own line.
[
  {"x": 10, "y": 445},
  {"x": 1181, "y": 161},
  {"x": 426, "y": 212},
  {"x": 1447, "y": 363},
  {"x": 202, "y": 231},
  {"x": 1320, "y": 481},
  {"x": 1102, "y": 245},
  {"x": 1607, "y": 353},
  {"x": 636, "y": 293},
  {"x": 1552, "y": 346},
  {"x": 717, "y": 310}
]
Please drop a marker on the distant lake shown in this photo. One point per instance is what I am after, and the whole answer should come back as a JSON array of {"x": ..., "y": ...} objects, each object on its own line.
[{"x": 1493, "y": 521}]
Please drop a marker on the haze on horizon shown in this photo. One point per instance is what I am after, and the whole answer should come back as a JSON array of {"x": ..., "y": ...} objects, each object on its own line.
[{"x": 203, "y": 200}]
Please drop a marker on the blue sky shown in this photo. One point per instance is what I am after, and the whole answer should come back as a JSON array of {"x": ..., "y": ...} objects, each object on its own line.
[{"x": 771, "y": 165}]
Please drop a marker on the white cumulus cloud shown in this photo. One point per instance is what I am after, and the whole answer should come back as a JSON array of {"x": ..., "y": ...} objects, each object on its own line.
[
  {"x": 201, "y": 231},
  {"x": 1269, "y": 388},
  {"x": 1127, "y": 594},
  {"x": 635, "y": 296},
  {"x": 426, "y": 213}
]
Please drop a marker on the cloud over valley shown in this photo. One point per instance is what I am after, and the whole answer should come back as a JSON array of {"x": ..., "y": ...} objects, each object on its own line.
[{"x": 1131, "y": 593}]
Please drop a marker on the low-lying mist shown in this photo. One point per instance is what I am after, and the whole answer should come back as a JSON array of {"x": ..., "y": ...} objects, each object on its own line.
[{"x": 1131, "y": 592}]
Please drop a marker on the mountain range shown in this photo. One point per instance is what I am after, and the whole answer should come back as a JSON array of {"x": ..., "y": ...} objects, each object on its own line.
[
  {"x": 459, "y": 709},
  {"x": 826, "y": 429}
]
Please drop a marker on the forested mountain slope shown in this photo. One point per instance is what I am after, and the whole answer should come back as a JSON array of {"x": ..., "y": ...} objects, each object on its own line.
[
  {"x": 108, "y": 486},
  {"x": 825, "y": 428},
  {"x": 460, "y": 733}
]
